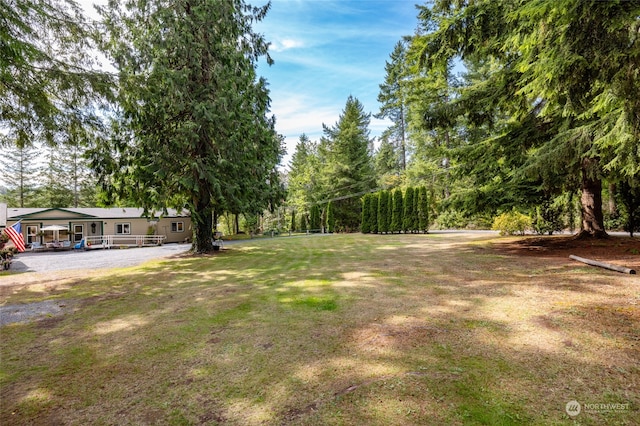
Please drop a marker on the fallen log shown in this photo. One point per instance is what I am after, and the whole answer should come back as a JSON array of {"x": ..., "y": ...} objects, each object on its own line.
[{"x": 603, "y": 265}]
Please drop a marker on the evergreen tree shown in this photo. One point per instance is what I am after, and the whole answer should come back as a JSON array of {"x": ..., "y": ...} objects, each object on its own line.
[
  {"x": 349, "y": 171},
  {"x": 188, "y": 86},
  {"x": 373, "y": 212},
  {"x": 557, "y": 102},
  {"x": 314, "y": 221},
  {"x": 331, "y": 220},
  {"x": 303, "y": 188},
  {"x": 393, "y": 99},
  {"x": 386, "y": 163},
  {"x": 365, "y": 225},
  {"x": 423, "y": 209},
  {"x": 629, "y": 192},
  {"x": 408, "y": 224},
  {"x": 397, "y": 218},
  {"x": 46, "y": 71},
  {"x": 20, "y": 174},
  {"x": 55, "y": 193},
  {"x": 384, "y": 210},
  {"x": 293, "y": 221}
]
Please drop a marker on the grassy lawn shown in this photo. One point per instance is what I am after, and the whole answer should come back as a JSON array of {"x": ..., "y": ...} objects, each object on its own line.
[{"x": 345, "y": 330}]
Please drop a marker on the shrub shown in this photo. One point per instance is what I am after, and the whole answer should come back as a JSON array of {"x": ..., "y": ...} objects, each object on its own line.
[{"x": 511, "y": 223}]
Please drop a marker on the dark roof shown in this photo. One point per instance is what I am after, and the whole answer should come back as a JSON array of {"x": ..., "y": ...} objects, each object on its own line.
[{"x": 89, "y": 212}]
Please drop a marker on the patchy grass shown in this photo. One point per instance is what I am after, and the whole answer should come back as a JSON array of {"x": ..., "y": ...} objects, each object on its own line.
[{"x": 345, "y": 329}]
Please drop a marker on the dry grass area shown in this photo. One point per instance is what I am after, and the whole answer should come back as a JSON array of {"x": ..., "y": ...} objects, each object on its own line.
[{"x": 347, "y": 329}]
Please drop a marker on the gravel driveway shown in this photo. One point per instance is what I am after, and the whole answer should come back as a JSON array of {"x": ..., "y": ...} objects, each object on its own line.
[{"x": 92, "y": 259}]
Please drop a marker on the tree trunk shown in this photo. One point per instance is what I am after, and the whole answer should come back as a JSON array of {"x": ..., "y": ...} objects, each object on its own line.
[
  {"x": 591, "y": 201},
  {"x": 202, "y": 220}
]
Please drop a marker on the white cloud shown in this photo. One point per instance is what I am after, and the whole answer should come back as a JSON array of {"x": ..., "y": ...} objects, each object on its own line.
[{"x": 286, "y": 44}]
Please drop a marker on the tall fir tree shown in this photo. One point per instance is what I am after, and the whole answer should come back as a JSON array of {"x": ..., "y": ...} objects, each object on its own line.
[
  {"x": 349, "y": 171},
  {"x": 304, "y": 176},
  {"x": 20, "y": 172},
  {"x": 393, "y": 99},
  {"x": 188, "y": 85}
]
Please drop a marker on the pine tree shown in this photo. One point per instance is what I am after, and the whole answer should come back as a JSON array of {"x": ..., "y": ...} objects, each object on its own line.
[
  {"x": 423, "y": 209},
  {"x": 365, "y": 225},
  {"x": 408, "y": 224},
  {"x": 373, "y": 212},
  {"x": 293, "y": 221},
  {"x": 397, "y": 217},
  {"x": 384, "y": 211}
]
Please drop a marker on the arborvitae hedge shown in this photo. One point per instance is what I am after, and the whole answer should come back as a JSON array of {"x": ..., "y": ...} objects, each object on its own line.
[
  {"x": 331, "y": 218},
  {"x": 373, "y": 212},
  {"x": 423, "y": 209},
  {"x": 365, "y": 226},
  {"x": 408, "y": 224},
  {"x": 383, "y": 212},
  {"x": 315, "y": 218},
  {"x": 393, "y": 212},
  {"x": 396, "y": 212}
]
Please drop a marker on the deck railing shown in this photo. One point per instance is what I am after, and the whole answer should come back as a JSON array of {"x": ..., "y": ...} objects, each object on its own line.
[{"x": 109, "y": 241}]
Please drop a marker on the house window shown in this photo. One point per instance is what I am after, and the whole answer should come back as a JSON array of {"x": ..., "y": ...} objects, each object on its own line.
[
  {"x": 123, "y": 229},
  {"x": 78, "y": 233},
  {"x": 32, "y": 233},
  {"x": 177, "y": 226}
]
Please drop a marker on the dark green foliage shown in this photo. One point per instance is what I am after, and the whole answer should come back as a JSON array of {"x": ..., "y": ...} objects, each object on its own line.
[
  {"x": 410, "y": 214},
  {"x": 374, "y": 200},
  {"x": 293, "y": 221},
  {"x": 314, "y": 220},
  {"x": 396, "y": 211},
  {"x": 384, "y": 212},
  {"x": 46, "y": 81},
  {"x": 194, "y": 130},
  {"x": 348, "y": 170},
  {"x": 365, "y": 225},
  {"x": 423, "y": 209},
  {"x": 629, "y": 191},
  {"x": 331, "y": 219},
  {"x": 393, "y": 98},
  {"x": 19, "y": 171},
  {"x": 548, "y": 218},
  {"x": 550, "y": 99},
  {"x": 304, "y": 223}
]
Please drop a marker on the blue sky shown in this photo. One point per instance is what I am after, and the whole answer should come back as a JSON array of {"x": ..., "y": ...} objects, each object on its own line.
[{"x": 324, "y": 51}]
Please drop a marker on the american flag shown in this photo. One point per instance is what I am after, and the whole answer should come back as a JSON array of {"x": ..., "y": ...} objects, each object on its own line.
[{"x": 15, "y": 234}]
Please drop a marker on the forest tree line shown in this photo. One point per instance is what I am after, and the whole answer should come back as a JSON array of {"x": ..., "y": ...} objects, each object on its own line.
[{"x": 495, "y": 107}]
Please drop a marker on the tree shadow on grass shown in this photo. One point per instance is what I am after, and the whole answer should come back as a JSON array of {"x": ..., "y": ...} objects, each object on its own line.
[{"x": 425, "y": 332}]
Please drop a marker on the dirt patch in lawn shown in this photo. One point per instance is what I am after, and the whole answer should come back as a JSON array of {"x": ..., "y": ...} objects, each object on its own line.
[{"x": 621, "y": 251}]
